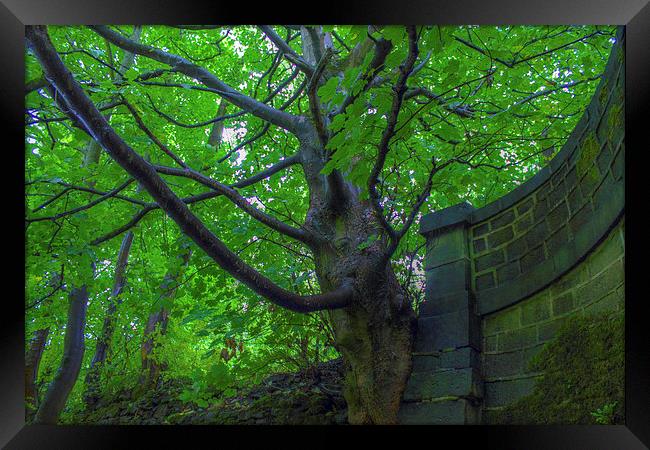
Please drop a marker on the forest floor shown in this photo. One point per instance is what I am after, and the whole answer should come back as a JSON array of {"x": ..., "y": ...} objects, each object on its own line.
[{"x": 309, "y": 397}]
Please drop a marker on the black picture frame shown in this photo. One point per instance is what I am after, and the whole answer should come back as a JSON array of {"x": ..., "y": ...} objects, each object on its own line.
[{"x": 634, "y": 14}]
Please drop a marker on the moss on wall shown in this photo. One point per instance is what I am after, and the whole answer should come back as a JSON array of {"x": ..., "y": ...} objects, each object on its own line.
[
  {"x": 583, "y": 376},
  {"x": 588, "y": 154}
]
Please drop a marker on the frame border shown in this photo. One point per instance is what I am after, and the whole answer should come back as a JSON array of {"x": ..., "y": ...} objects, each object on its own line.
[{"x": 635, "y": 14}]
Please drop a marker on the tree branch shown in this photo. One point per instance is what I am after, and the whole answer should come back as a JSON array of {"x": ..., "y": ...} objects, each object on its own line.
[
  {"x": 287, "y": 162},
  {"x": 287, "y": 51},
  {"x": 182, "y": 65},
  {"x": 399, "y": 89},
  {"x": 241, "y": 202}
]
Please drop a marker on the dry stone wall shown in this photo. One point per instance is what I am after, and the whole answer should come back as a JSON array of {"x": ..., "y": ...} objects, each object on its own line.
[{"x": 501, "y": 279}]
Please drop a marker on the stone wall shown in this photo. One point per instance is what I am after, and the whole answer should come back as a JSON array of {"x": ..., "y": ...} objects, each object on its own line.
[
  {"x": 511, "y": 337},
  {"x": 501, "y": 279}
]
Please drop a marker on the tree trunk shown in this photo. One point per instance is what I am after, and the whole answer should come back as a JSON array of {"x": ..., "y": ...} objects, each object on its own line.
[
  {"x": 217, "y": 129},
  {"x": 375, "y": 337},
  {"x": 32, "y": 361},
  {"x": 73, "y": 351},
  {"x": 157, "y": 322},
  {"x": 91, "y": 394},
  {"x": 151, "y": 368},
  {"x": 375, "y": 333}
]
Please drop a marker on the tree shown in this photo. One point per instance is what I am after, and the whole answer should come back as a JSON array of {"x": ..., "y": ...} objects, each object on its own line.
[
  {"x": 361, "y": 130},
  {"x": 58, "y": 391}
]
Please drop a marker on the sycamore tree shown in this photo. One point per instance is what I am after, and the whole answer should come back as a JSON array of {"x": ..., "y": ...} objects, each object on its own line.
[{"x": 294, "y": 162}]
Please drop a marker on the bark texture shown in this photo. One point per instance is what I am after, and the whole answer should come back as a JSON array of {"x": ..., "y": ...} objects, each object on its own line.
[
  {"x": 73, "y": 351},
  {"x": 91, "y": 394},
  {"x": 32, "y": 361},
  {"x": 158, "y": 321}
]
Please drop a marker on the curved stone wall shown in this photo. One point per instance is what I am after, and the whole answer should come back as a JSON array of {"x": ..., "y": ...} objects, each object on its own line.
[{"x": 502, "y": 278}]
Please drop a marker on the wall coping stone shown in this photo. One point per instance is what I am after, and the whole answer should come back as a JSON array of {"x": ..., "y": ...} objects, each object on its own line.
[{"x": 447, "y": 217}]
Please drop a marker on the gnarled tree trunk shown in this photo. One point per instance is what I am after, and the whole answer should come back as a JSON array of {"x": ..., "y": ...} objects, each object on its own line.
[
  {"x": 375, "y": 333},
  {"x": 73, "y": 352}
]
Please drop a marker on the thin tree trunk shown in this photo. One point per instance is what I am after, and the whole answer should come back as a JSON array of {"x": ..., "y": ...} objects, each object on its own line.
[
  {"x": 217, "y": 129},
  {"x": 91, "y": 394},
  {"x": 32, "y": 361},
  {"x": 157, "y": 322},
  {"x": 73, "y": 351}
]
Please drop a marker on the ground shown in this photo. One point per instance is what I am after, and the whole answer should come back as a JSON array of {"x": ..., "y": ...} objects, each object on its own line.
[{"x": 310, "y": 397}]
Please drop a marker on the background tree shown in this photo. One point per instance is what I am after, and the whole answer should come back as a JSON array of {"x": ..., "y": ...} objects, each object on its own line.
[{"x": 335, "y": 141}]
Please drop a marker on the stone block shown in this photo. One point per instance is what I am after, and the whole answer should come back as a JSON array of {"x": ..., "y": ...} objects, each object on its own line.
[
  {"x": 508, "y": 272},
  {"x": 580, "y": 218},
  {"x": 528, "y": 355},
  {"x": 558, "y": 216},
  {"x": 604, "y": 159},
  {"x": 502, "y": 393},
  {"x": 559, "y": 174},
  {"x": 618, "y": 166},
  {"x": 536, "y": 309},
  {"x": 608, "y": 303},
  {"x": 449, "y": 278},
  {"x": 481, "y": 230},
  {"x": 548, "y": 330},
  {"x": 533, "y": 258},
  {"x": 543, "y": 191},
  {"x": 499, "y": 237},
  {"x": 557, "y": 195},
  {"x": 490, "y": 344},
  {"x": 574, "y": 278},
  {"x": 501, "y": 365},
  {"x": 571, "y": 179},
  {"x": 507, "y": 319},
  {"x": 446, "y": 246},
  {"x": 524, "y": 223},
  {"x": 516, "y": 248},
  {"x": 601, "y": 285},
  {"x": 537, "y": 234},
  {"x": 446, "y": 331},
  {"x": 517, "y": 339},
  {"x": 525, "y": 205},
  {"x": 489, "y": 260},
  {"x": 608, "y": 252},
  {"x": 454, "y": 359},
  {"x": 563, "y": 304},
  {"x": 541, "y": 209},
  {"x": 437, "y": 302},
  {"x": 449, "y": 412},
  {"x": 485, "y": 281},
  {"x": 504, "y": 219},
  {"x": 480, "y": 245},
  {"x": 576, "y": 200},
  {"x": 557, "y": 240},
  {"x": 431, "y": 385}
]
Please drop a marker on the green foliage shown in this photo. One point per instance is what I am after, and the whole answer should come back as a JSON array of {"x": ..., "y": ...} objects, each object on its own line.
[
  {"x": 500, "y": 130},
  {"x": 606, "y": 414}
]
